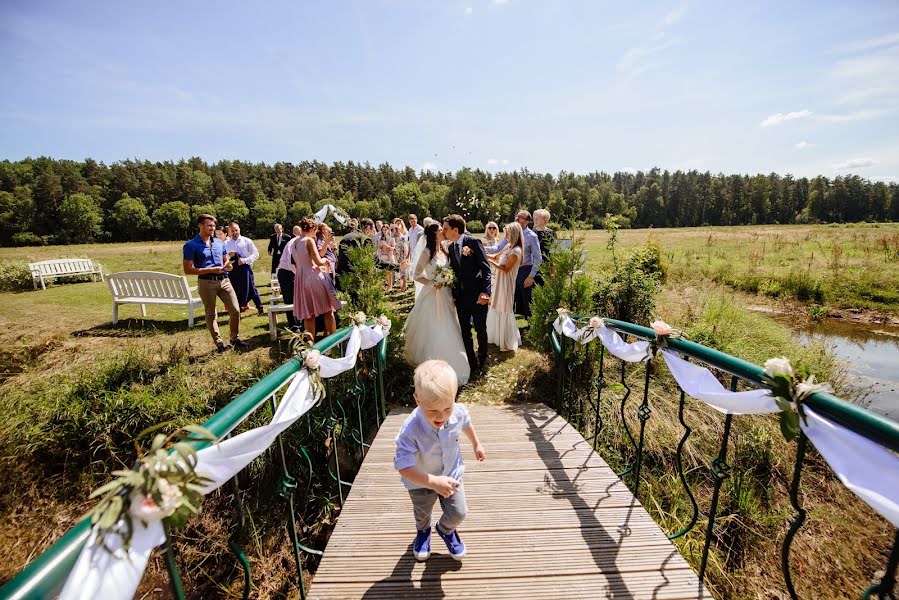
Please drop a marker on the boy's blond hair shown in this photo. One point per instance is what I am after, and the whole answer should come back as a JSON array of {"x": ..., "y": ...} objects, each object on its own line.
[{"x": 435, "y": 380}]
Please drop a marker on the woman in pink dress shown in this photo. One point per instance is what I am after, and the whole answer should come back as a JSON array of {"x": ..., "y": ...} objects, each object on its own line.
[{"x": 312, "y": 294}]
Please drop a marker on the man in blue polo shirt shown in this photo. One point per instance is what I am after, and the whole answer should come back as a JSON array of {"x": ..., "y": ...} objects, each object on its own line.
[{"x": 205, "y": 257}]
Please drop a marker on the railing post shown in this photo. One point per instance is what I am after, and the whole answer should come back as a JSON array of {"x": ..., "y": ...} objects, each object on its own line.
[
  {"x": 680, "y": 467},
  {"x": 643, "y": 413},
  {"x": 800, "y": 515},
  {"x": 171, "y": 564},
  {"x": 561, "y": 375},
  {"x": 720, "y": 471}
]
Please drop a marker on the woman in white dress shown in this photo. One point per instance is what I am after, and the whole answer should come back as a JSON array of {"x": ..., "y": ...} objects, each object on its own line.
[
  {"x": 502, "y": 329},
  {"x": 432, "y": 328}
]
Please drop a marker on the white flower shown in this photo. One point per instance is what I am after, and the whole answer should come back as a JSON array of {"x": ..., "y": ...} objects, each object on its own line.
[
  {"x": 384, "y": 321},
  {"x": 312, "y": 359},
  {"x": 466, "y": 251},
  {"x": 359, "y": 318},
  {"x": 563, "y": 312},
  {"x": 661, "y": 328},
  {"x": 778, "y": 366},
  {"x": 171, "y": 497},
  {"x": 597, "y": 322}
]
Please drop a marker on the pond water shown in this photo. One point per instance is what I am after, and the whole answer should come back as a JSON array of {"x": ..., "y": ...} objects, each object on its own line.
[{"x": 871, "y": 353}]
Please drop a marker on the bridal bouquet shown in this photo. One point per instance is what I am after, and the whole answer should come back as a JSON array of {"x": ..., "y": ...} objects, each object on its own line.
[{"x": 444, "y": 277}]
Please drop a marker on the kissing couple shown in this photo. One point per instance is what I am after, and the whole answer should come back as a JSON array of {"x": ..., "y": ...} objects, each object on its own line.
[{"x": 454, "y": 273}]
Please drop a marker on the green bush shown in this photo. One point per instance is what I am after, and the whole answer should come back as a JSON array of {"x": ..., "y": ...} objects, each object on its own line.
[
  {"x": 629, "y": 292},
  {"x": 475, "y": 226},
  {"x": 560, "y": 289},
  {"x": 363, "y": 284},
  {"x": 15, "y": 276},
  {"x": 801, "y": 285},
  {"x": 26, "y": 238}
]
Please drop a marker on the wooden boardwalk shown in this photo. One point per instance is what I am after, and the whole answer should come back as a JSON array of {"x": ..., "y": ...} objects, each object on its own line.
[{"x": 547, "y": 518}]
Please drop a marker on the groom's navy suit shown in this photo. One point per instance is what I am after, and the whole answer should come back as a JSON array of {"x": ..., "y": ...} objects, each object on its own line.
[{"x": 472, "y": 279}]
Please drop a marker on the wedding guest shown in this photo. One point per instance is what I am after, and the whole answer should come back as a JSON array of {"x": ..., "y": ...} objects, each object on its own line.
[
  {"x": 242, "y": 277},
  {"x": 402, "y": 251},
  {"x": 276, "y": 243},
  {"x": 415, "y": 231},
  {"x": 546, "y": 236},
  {"x": 296, "y": 231},
  {"x": 312, "y": 294},
  {"x": 324, "y": 241},
  {"x": 502, "y": 329},
  {"x": 386, "y": 248},
  {"x": 205, "y": 257},
  {"x": 530, "y": 264},
  {"x": 286, "y": 274},
  {"x": 379, "y": 226},
  {"x": 491, "y": 234},
  {"x": 220, "y": 235}
]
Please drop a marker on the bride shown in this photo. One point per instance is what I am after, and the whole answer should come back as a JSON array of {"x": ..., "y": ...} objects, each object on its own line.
[{"x": 432, "y": 328}]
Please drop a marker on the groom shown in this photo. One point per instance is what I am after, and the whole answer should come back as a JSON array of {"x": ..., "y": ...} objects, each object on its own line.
[{"x": 471, "y": 290}]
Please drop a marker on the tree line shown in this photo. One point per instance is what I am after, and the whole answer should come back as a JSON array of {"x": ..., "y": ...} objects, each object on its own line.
[{"x": 43, "y": 200}]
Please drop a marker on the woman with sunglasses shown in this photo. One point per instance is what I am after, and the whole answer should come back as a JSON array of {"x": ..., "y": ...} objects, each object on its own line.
[{"x": 491, "y": 235}]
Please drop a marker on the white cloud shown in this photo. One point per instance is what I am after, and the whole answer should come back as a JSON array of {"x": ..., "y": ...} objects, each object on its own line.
[
  {"x": 884, "y": 178},
  {"x": 859, "y": 115},
  {"x": 778, "y": 118},
  {"x": 675, "y": 15},
  {"x": 492, "y": 162},
  {"x": 856, "y": 163},
  {"x": 500, "y": 1},
  {"x": 641, "y": 58},
  {"x": 429, "y": 166},
  {"x": 468, "y": 11},
  {"x": 505, "y": 161},
  {"x": 889, "y": 39},
  {"x": 805, "y": 145}
]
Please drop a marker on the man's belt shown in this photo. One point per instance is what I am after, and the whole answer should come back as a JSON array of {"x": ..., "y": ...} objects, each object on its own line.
[{"x": 212, "y": 277}]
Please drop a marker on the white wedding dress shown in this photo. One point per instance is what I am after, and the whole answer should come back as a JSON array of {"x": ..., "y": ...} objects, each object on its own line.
[{"x": 432, "y": 328}]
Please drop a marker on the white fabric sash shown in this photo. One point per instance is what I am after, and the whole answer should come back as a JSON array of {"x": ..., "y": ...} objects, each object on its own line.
[
  {"x": 101, "y": 574},
  {"x": 635, "y": 352},
  {"x": 865, "y": 467},
  {"x": 322, "y": 214},
  {"x": 700, "y": 383}
]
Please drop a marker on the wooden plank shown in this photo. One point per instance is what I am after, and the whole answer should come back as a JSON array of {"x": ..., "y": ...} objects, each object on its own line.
[{"x": 546, "y": 516}]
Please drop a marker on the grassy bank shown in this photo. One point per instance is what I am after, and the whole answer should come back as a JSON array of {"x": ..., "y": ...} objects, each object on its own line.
[{"x": 837, "y": 267}]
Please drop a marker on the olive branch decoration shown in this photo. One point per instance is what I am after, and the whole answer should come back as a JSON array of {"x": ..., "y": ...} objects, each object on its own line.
[{"x": 164, "y": 486}]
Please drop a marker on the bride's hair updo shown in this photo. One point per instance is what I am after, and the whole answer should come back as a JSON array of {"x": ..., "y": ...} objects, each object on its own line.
[{"x": 431, "y": 238}]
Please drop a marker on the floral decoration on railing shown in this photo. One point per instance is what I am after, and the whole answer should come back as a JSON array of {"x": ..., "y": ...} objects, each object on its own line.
[
  {"x": 790, "y": 389},
  {"x": 664, "y": 332},
  {"x": 164, "y": 487}
]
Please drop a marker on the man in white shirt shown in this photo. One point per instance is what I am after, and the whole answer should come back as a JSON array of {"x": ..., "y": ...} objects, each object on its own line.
[
  {"x": 415, "y": 231},
  {"x": 286, "y": 275},
  {"x": 243, "y": 254}
]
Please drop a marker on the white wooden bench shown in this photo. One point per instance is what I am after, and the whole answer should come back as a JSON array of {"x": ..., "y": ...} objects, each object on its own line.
[
  {"x": 45, "y": 270},
  {"x": 275, "y": 286},
  {"x": 273, "y": 311},
  {"x": 150, "y": 287}
]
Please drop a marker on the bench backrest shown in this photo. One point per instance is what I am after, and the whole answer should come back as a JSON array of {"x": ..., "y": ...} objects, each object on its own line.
[
  {"x": 62, "y": 266},
  {"x": 148, "y": 284}
]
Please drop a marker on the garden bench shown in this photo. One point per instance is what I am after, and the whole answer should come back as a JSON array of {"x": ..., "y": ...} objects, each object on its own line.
[
  {"x": 273, "y": 311},
  {"x": 150, "y": 287},
  {"x": 63, "y": 267}
]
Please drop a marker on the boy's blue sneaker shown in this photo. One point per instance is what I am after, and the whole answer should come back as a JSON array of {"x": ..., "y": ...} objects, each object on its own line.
[
  {"x": 453, "y": 543},
  {"x": 421, "y": 547}
]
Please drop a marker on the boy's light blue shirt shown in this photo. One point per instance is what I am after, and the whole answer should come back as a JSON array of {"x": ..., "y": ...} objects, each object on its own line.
[{"x": 434, "y": 451}]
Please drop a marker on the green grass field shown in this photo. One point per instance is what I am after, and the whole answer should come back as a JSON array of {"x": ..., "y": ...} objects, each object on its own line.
[{"x": 840, "y": 267}]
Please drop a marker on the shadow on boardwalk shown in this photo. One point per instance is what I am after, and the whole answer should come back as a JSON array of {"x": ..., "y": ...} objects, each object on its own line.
[{"x": 399, "y": 583}]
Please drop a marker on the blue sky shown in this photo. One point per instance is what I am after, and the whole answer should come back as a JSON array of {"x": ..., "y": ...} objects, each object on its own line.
[{"x": 791, "y": 87}]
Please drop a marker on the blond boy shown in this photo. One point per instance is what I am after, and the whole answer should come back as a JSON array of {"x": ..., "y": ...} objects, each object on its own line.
[{"x": 429, "y": 459}]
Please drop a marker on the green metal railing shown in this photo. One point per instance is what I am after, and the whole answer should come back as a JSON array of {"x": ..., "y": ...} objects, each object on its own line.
[
  {"x": 571, "y": 362},
  {"x": 46, "y": 574}
]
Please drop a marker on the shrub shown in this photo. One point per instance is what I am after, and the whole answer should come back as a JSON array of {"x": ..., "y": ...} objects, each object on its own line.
[
  {"x": 15, "y": 276},
  {"x": 173, "y": 220},
  {"x": 629, "y": 293},
  {"x": 803, "y": 286},
  {"x": 475, "y": 226},
  {"x": 26, "y": 238},
  {"x": 364, "y": 284},
  {"x": 560, "y": 289}
]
